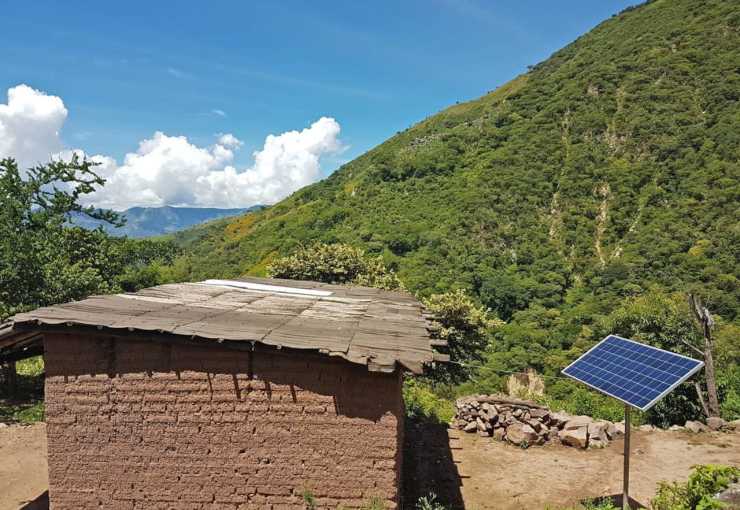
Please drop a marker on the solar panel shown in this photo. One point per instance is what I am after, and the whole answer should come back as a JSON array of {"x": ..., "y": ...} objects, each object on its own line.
[{"x": 636, "y": 374}]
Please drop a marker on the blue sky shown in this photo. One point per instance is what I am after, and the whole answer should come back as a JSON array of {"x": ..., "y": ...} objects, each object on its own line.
[{"x": 127, "y": 69}]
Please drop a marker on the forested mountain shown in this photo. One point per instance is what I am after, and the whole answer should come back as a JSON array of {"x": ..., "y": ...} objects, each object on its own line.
[
  {"x": 610, "y": 166},
  {"x": 607, "y": 171},
  {"x": 153, "y": 221}
]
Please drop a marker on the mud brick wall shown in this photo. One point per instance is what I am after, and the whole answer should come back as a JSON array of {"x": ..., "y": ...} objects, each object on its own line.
[{"x": 135, "y": 424}]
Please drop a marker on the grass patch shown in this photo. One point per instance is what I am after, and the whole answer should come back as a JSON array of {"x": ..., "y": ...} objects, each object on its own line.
[{"x": 26, "y": 405}]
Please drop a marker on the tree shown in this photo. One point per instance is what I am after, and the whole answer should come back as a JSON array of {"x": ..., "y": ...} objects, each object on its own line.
[
  {"x": 34, "y": 213},
  {"x": 467, "y": 329},
  {"x": 44, "y": 258},
  {"x": 457, "y": 319},
  {"x": 665, "y": 321},
  {"x": 706, "y": 323},
  {"x": 335, "y": 263}
]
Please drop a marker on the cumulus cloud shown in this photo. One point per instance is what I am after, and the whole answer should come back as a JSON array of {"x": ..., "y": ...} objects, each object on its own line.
[
  {"x": 30, "y": 123},
  {"x": 171, "y": 170},
  {"x": 218, "y": 112}
]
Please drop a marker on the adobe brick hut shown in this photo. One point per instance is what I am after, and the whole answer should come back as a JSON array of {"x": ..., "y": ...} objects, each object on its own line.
[{"x": 225, "y": 394}]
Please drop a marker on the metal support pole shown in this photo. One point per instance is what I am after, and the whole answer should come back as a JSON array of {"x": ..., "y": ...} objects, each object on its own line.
[{"x": 626, "y": 476}]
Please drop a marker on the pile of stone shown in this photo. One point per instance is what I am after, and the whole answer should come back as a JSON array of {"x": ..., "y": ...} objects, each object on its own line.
[
  {"x": 714, "y": 423},
  {"x": 525, "y": 423}
]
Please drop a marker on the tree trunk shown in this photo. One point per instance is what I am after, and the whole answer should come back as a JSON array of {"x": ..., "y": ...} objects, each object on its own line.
[
  {"x": 700, "y": 394},
  {"x": 712, "y": 397},
  {"x": 706, "y": 322}
]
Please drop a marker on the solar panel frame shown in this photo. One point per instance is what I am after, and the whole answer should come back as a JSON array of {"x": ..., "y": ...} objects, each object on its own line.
[{"x": 698, "y": 365}]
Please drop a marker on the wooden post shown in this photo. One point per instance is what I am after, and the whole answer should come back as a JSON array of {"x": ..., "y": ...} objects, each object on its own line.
[
  {"x": 626, "y": 475},
  {"x": 11, "y": 379}
]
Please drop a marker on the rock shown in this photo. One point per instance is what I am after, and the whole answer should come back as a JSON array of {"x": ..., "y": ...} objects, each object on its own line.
[
  {"x": 618, "y": 429},
  {"x": 3, "y": 425},
  {"x": 499, "y": 434},
  {"x": 716, "y": 423},
  {"x": 597, "y": 435},
  {"x": 577, "y": 437},
  {"x": 609, "y": 428},
  {"x": 559, "y": 419},
  {"x": 730, "y": 496},
  {"x": 597, "y": 430},
  {"x": 552, "y": 434},
  {"x": 676, "y": 428},
  {"x": 521, "y": 434},
  {"x": 696, "y": 427},
  {"x": 471, "y": 427},
  {"x": 481, "y": 425},
  {"x": 517, "y": 413},
  {"x": 597, "y": 443},
  {"x": 536, "y": 425},
  {"x": 540, "y": 414},
  {"x": 577, "y": 422},
  {"x": 484, "y": 433},
  {"x": 647, "y": 428},
  {"x": 734, "y": 425}
]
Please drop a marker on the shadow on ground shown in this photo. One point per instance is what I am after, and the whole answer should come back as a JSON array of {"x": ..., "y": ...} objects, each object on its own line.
[
  {"x": 40, "y": 503},
  {"x": 428, "y": 466}
]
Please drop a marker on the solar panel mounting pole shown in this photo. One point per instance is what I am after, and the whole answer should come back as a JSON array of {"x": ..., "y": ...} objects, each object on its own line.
[{"x": 626, "y": 476}]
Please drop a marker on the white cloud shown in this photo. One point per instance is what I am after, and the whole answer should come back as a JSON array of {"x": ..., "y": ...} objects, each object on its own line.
[
  {"x": 29, "y": 125},
  {"x": 170, "y": 170},
  {"x": 229, "y": 140},
  {"x": 218, "y": 112}
]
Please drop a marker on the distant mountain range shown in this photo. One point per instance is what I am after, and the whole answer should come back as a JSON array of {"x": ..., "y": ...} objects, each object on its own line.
[{"x": 153, "y": 221}]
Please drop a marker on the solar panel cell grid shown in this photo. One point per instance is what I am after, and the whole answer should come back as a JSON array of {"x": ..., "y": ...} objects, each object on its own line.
[{"x": 636, "y": 374}]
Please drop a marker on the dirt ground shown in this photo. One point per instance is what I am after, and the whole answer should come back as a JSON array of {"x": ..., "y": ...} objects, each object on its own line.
[
  {"x": 23, "y": 475},
  {"x": 493, "y": 475},
  {"x": 504, "y": 477}
]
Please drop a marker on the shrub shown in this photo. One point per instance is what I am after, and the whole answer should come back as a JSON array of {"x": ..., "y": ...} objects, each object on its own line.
[
  {"x": 335, "y": 263},
  {"x": 375, "y": 503},
  {"x": 429, "y": 502},
  {"x": 423, "y": 404},
  {"x": 576, "y": 399},
  {"x": 698, "y": 492},
  {"x": 467, "y": 329},
  {"x": 308, "y": 499}
]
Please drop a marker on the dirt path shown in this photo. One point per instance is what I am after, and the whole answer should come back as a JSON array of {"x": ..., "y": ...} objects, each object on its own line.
[
  {"x": 495, "y": 475},
  {"x": 23, "y": 475},
  {"x": 504, "y": 477}
]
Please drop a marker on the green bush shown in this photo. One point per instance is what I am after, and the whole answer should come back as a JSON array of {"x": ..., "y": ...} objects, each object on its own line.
[
  {"x": 375, "y": 503},
  {"x": 576, "y": 399},
  {"x": 698, "y": 492},
  {"x": 22, "y": 413},
  {"x": 599, "y": 504},
  {"x": 32, "y": 367},
  {"x": 429, "y": 502},
  {"x": 335, "y": 263},
  {"x": 308, "y": 499},
  {"x": 467, "y": 329},
  {"x": 423, "y": 404}
]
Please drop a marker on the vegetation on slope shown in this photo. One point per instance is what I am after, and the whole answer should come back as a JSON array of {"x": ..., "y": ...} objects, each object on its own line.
[{"x": 605, "y": 174}]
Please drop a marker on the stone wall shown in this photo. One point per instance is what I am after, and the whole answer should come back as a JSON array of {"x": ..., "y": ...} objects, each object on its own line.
[
  {"x": 136, "y": 424},
  {"x": 525, "y": 423}
]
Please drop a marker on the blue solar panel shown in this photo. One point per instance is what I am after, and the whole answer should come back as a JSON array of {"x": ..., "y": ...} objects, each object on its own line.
[{"x": 634, "y": 373}]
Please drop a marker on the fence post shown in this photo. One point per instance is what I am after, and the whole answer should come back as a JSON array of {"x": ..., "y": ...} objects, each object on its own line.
[{"x": 11, "y": 378}]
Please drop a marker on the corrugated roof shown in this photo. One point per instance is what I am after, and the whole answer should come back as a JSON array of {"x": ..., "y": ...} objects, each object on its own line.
[{"x": 363, "y": 325}]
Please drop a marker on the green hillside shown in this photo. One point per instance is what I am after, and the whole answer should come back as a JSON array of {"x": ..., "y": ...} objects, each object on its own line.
[{"x": 609, "y": 167}]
